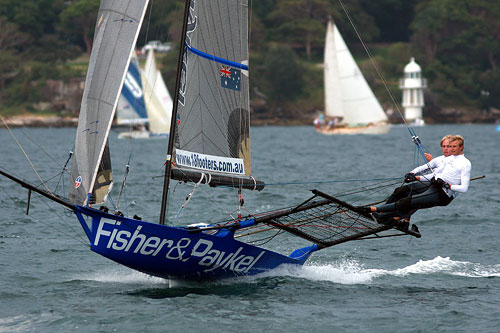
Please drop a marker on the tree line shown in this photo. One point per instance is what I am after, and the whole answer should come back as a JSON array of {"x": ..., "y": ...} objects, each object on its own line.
[{"x": 456, "y": 42}]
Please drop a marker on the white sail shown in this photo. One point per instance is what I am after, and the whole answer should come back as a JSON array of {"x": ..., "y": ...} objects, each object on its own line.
[
  {"x": 347, "y": 94},
  {"x": 117, "y": 28},
  {"x": 158, "y": 100},
  {"x": 131, "y": 109}
]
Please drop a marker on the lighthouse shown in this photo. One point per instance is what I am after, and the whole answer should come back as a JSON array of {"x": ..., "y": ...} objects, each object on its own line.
[{"x": 413, "y": 86}]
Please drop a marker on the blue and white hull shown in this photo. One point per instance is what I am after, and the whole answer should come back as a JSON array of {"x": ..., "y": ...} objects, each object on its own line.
[{"x": 179, "y": 253}]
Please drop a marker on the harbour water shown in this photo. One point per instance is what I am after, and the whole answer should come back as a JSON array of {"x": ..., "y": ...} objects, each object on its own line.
[{"x": 449, "y": 280}]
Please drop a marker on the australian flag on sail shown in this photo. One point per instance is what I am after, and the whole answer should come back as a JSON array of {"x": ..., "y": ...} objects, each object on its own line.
[{"x": 230, "y": 78}]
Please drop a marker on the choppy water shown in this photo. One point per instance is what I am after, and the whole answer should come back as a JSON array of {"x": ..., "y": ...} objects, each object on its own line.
[{"x": 449, "y": 280}]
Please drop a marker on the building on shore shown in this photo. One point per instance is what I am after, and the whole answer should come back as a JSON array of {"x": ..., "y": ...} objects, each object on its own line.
[{"x": 413, "y": 85}]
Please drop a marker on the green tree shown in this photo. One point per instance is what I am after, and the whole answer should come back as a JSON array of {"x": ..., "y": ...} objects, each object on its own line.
[
  {"x": 174, "y": 21},
  {"x": 283, "y": 74},
  {"x": 301, "y": 22},
  {"x": 10, "y": 35},
  {"x": 459, "y": 40},
  {"x": 347, "y": 14},
  {"x": 9, "y": 68},
  {"x": 78, "y": 21},
  {"x": 35, "y": 17},
  {"x": 158, "y": 20},
  {"x": 392, "y": 17},
  {"x": 10, "y": 38}
]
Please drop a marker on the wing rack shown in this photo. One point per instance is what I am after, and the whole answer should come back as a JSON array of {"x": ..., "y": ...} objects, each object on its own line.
[{"x": 328, "y": 221}]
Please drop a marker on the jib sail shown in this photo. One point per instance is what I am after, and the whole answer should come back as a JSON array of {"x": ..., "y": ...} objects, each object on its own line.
[{"x": 117, "y": 28}]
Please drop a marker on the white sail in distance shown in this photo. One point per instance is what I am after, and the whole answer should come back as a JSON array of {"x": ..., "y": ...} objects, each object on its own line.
[
  {"x": 347, "y": 94},
  {"x": 158, "y": 101},
  {"x": 131, "y": 109}
]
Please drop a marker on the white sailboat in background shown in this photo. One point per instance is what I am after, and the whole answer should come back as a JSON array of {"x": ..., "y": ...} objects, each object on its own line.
[
  {"x": 350, "y": 105},
  {"x": 131, "y": 109},
  {"x": 151, "y": 94}
]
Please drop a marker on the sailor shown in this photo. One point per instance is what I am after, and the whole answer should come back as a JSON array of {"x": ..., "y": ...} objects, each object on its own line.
[
  {"x": 445, "y": 142},
  {"x": 435, "y": 165},
  {"x": 439, "y": 188},
  {"x": 316, "y": 122}
]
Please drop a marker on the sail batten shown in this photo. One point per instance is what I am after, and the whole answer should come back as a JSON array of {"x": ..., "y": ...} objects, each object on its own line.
[{"x": 117, "y": 28}]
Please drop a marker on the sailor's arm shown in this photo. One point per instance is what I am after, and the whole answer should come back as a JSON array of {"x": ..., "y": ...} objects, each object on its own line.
[
  {"x": 464, "y": 179},
  {"x": 433, "y": 164}
]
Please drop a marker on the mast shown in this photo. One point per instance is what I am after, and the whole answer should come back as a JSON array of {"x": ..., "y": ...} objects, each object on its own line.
[{"x": 171, "y": 136}]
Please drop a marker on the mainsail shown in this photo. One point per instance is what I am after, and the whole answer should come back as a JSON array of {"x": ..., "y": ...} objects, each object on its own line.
[
  {"x": 131, "y": 107},
  {"x": 117, "y": 28},
  {"x": 347, "y": 94},
  {"x": 212, "y": 133}
]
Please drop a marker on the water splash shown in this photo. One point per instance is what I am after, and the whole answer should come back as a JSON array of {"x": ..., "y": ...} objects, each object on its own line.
[
  {"x": 352, "y": 272},
  {"x": 126, "y": 276},
  {"x": 448, "y": 266},
  {"x": 345, "y": 271}
]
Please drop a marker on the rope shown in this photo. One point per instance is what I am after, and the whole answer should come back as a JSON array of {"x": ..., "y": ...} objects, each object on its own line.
[
  {"x": 413, "y": 135},
  {"x": 190, "y": 195},
  {"x": 332, "y": 181},
  {"x": 25, "y": 154},
  {"x": 124, "y": 182},
  {"x": 78, "y": 239}
]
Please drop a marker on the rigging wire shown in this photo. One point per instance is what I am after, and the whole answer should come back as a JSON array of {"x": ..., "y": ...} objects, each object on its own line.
[
  {"x": 124, "y": 182},
  {"x": 25, "y": 153},
  {"x": 414, "y": 137},
  {"x": 41, "y": 148},
  {"x": 64, "y": 169},
  {"x": 331, "y": 181},
  {"x": 216, "y": 202},
  {"x": 78, "y": 239}
]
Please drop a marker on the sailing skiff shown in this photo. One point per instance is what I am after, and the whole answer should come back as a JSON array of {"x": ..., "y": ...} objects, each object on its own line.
[{"x": 209, "y": 144}]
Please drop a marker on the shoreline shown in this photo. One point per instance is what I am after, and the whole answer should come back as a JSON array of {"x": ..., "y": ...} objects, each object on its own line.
[
  {"x": 56, "y": 121},
  {"x": 39, "y": 121}
]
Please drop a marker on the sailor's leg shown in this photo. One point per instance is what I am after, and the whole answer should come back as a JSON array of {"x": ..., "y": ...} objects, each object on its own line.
[
  {"x": 406, "y": 190},
  {"x": 430, "y": 198},
  {"x": 385, "y": 208},
  {"x": 404, "y": 204},
  {"x": 399, "y": 193}
]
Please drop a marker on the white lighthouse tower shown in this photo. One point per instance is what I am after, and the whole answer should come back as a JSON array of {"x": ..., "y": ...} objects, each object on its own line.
[{"x": 413, "y": 93}]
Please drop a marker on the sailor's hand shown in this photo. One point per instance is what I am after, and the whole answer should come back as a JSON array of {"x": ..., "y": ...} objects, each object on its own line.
[
  {"x": 410, "y": 177},
  {"x": 428, "y": 157},
  {"x": 442, "y": 183}
]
